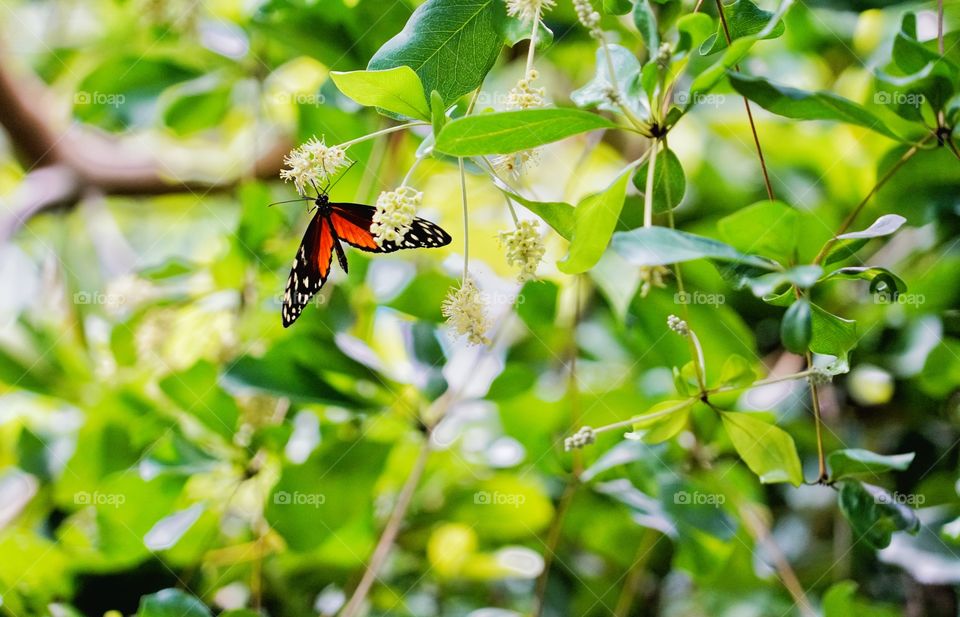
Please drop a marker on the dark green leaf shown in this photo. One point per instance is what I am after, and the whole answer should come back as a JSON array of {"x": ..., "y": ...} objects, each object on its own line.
[
  {"x": 744, "y": 18},
  {"x": 626, "y": 72},
  {"x": 646, "y": 23},
  {"x": 853, "y": 462},
  {"x": 660, "y": 246},
  {"x": 669, "y": 181},
  {"x": 832, "y": 335},
  {"x": 874, "y": 514},
  {"x": 796, "y": 329},
  {"x": 515, "y": 30},
  {"x": 172, "y": 603},
  {"x": 768, "y": 228},
  {"x": 435, "y": 41}
]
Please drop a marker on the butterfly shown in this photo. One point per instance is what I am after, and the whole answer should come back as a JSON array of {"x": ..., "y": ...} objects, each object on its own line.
[{"x": 333, "y": 223}]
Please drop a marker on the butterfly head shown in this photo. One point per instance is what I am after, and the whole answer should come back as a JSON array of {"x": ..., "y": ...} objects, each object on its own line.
[{"x": 322, "y": 203}]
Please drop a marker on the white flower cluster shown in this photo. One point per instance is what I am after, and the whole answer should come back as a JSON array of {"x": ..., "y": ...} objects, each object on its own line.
[
  {"x": 313, "y": 162},
  {"x": 650, "y": 277},
  {"x": 588, "y": 16},
  {"x": 463, "y": 309},
  {"x": 528, "y": 10},
  {"x": 584, "y": 437},
  {"x": 514, "y": 164},
  {"x": 395, "y": 212},
  {"x": 525, "y": 96},
  {"x": 524, "y": 248},
  {"x": 678, "y": 325}
]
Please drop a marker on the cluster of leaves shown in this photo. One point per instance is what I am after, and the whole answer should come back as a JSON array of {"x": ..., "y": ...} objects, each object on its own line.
[{"x": 184, "y": 440}]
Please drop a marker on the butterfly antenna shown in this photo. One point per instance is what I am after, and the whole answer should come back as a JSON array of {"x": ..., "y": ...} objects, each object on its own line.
[
  {"x": 289, "y": 201},
  {"x": 340, "y": 177}
]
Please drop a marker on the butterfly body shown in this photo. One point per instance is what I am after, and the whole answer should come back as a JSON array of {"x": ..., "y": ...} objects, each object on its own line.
[{"x": 333, "y": 224}]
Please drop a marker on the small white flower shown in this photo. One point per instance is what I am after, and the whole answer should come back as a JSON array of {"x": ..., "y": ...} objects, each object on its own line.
[
  {"x": 395, "y": 212},
  {"x": 524, "y": 95},
  {"x": 515, "y": 163},
  {"x": 463, "y": 309},
  {"x": 528, "y": 10},
  {"x": 524, "y": 248},
  {"x": 313, "y": 163},
  {"x": 652, "y": 276},
  {"x": 588, "y": 17},
  {"x": 584, "y": 437},
  {"x": 678, "y": 325}
]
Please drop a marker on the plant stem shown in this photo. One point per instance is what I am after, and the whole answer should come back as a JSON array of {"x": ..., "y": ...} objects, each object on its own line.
[
  {"x": 863, "y": 202},
  {"x": 382, "y": 551},
  {"x": 410, "y": 171},
  {"x": 466, "y": 224},
  {"x": 389, "y": 129},
  {"x": 818, "y": 423},
  {"x": 533, "y": 43},
  {"x": 746, "y": 104},
  {"x": 649, "y": 188}
]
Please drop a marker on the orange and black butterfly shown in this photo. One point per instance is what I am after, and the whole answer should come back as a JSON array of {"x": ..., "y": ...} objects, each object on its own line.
[{"x": 335, "y": 222}]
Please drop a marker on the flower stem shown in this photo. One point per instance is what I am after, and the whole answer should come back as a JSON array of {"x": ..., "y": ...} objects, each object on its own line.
[
  {"x": 389, "y": 129},
  {"x": 648, "y": 190},
  {"x": 466, "y": 225},
  {"x": 410, "y": 171},
  {"x": 533, "y": 42}
]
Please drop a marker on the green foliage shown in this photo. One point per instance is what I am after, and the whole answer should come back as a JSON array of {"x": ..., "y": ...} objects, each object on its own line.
[
  {"x": 397, "y": 90},
  {"x": 768, "y": 450}
]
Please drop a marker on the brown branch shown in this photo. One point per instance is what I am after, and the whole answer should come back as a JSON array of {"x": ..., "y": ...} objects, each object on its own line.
[{"x": 81, "y": 160}]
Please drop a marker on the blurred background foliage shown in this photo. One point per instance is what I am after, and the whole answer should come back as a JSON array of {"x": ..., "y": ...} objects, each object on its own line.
[{"x": 163, "y": 438}]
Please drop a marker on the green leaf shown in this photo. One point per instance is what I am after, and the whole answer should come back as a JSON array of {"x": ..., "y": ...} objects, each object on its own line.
[
  {"x": 397, "y": 90},
  {"x": 710, "y": 77},
  {"x": 768, "y": 450},
  {"x": 504, "y": 132},
  {"x": 595, "y": 218},
  {"x": 874, "y": 514},
  {"x": 768, "y": 228},
  {"x": 172, "y": 603},
  {"x": 796, "y": 329},
  {"x": 693, "y": 28},
  {"x": 744, "y": 18},
  {"x": 849, "y": 243},
  {"x": 617, "y": 7},
  {"x": 451, "y": 44},
  {"x": 197, "y": 106},
  {"x": 802, "y": 105},
  {"x": 196, "y": 392},
  {"x": 660, "y": 246},
  {"x": 438, "y": 116},
  {"x": 515, "y": 30},
  {"x": 883, "y": 282},
  {"x": 669, "y": 181},
  {"x": 853, "y": 462},
  {"x": 765, "y": 285},
  {"x": 832, "y": 335},
  {"x": 557, "y": 214},
  {"x": 663, "y": 421},
  {"x": 646, "y": 23},
  {"x": 626, "y": 75},
  {"x": 737, "y": 372}
]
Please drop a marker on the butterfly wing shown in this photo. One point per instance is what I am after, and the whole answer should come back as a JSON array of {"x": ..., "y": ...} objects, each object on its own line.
[
  {"x": 352, "y": 222},
  {"x": 310, "y": 269}
]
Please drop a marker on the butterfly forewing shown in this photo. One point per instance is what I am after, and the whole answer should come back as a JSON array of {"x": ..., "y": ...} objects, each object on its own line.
[
  {"x": 352, "y": 223},
  {"x": 310, "y": 269}
]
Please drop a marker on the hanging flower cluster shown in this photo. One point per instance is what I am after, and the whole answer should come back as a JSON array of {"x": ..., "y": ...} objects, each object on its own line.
[
  {"x": 395, "y": 212},
  {"x": 525, "y": 96},
  {"x": 588, "y": 17},
  {"x": 524, "y": 248},
  {"x": 528, "y": 10},
  {"x": 313, "y": 163},
  {"x": 463, "y": 309}
]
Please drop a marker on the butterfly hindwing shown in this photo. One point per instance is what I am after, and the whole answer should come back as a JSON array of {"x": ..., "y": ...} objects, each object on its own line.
[
  {"x": 310, "y": 269},
  {"x": 352, "y": 223}
]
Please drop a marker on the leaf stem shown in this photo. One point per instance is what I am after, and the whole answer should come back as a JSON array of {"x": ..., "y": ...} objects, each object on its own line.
[
  {"x": 818, "y": 423},
  {"x": 863, "y": 202},
  {"x": 649, "y": 188},
  {"x": 389, "y": 129},
  {"x": 746, "y": 104}
]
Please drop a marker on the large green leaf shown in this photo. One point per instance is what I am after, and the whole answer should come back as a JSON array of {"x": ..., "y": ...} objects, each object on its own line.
[
  {"x": 854, "y": 462},
  {"x": 660, "y": 246},
  {"x": 832, "y": 335},
  {"x": 874, "y": 513},
  {"x": 768, "y": 450},
  {"x": 744, "y": 19},
  {"x": 768, "y": 228},
  {"x": 796, "y": 329},
  {"x": 669, "y": 181},
  {"x": 396, "y": 90},
  {"x": 595, "y": 218},
  {"x": 512, "y": 131},
  {"x": 803, "y": 105},
  {"x": 451, "y": 44}
]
